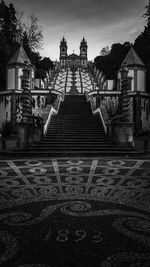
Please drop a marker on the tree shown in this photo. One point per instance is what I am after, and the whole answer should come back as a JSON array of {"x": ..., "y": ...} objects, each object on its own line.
[
  {"x": 30, "y": 32},
  {"x": 147, "y": 14},
  {"x": 14, "y": 30},
  {"x": 46, "y": 64},
  {"x": 105, "y": 51},
  {"x": 8, "y": 23},
  {"x": 8, "y": 34},
  {"x": 111, "y": 62},
  {"x": 44, "y": 68},
  {"x": 142, "y": 44}
]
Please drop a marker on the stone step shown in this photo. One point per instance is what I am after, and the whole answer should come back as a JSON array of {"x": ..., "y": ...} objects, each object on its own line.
[
  {"x": 75, "y": 140},
  {"x": 77, "y": 148},
  {"x": 61, "y": 130},
  {"x": 52, "y": 154},
  {"x": 74, "y": 134},
  {"x": 91, "y": 141},
  {"x": 72, "y": 145}
]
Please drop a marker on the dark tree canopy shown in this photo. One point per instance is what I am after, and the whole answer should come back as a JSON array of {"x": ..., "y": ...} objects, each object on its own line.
[
  {"x": 142, "y": 44},
  {"x": 110, "y": 63},
  {"x": 12, "y": 32},
  {"x": 8, "y": 33},
  {"x": 44, "y": 67}
]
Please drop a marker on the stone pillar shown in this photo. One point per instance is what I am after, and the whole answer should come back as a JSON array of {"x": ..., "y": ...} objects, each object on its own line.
[
  {"x": 23, "y": 134},
  {"x": 25, "y": 125},
  {"x": 122, "y": 134},
  {"x": 124, "y": 104},
  {"x": 26, "y": 96},
  {"x": 121, "y": 127}
]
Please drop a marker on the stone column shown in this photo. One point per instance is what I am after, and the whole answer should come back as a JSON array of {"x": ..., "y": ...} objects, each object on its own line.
[
  {"x": 124, "y": 104},
  {"x": 24, "y": 127},
  {"x": 121, "y": 127},
  {"x": 26, "y": 95}
]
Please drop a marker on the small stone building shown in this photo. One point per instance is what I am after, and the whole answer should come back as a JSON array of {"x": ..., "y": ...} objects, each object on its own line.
[
  {"x": 15, "y": 67},
  {"x": 136, "y": 74}
]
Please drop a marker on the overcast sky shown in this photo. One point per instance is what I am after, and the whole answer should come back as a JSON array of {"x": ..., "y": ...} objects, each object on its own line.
[{"x": 102, "y": 22}]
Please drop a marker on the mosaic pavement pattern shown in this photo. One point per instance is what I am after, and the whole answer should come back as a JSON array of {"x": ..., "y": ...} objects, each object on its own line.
[{"x": 74, "y": 212}]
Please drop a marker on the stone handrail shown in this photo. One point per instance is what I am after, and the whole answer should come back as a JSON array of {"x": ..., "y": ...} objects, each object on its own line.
[
  {"x": 53, "y": 110},
  {"x": 96, "y": 110}
]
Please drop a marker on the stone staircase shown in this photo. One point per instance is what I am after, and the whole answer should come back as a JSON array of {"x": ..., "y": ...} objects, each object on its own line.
[
  {"x": 73, "y": 81},
  {"x": 75, "y": 132}
]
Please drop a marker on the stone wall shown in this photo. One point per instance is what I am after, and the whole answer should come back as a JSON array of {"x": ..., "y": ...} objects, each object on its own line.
[
  {"x": 106, "y": 100},
  {"x": 145, "y": 112},
  {"x": 5, "y": 108},
  {"x": 139, "y": 107},
  {"x": 40, "y": 105},
  {"x": 108, "y": 105}
]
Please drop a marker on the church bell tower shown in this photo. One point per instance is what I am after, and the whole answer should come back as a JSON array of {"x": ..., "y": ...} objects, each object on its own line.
[
  {"x": 63, "y": 52},
  {"x": 83, "y": 52}
]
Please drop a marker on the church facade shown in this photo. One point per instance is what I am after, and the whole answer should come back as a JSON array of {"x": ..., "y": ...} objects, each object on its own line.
[{"x": 73, "y": 59}]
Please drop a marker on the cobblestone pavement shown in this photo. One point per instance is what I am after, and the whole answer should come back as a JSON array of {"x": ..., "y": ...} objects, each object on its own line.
[{"x": 90, "y": 212}]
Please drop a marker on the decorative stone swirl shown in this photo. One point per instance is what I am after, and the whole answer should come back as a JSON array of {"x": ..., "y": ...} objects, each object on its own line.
[
  {"x": 130, "y": 259},
  {"x": 135, "y": 228},
  {"x": 24, "y": 219},
  {"x": 11, "y": 246},
  {"x": 15, "y": 218}
]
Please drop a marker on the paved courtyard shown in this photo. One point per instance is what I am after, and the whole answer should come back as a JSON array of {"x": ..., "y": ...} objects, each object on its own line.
[{"x": 74, "y": 212}]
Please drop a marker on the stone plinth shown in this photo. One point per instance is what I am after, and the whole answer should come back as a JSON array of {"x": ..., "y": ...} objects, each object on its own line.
[
  {"x": 27, "y": 133},
  {"x": 23, "y": 134},
  {"x": 122, "y": 133},
  {"x": 36, "y": 134}
]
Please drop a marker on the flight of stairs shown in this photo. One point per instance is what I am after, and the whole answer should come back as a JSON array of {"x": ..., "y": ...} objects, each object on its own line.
[{"x": 75, "y": 132}]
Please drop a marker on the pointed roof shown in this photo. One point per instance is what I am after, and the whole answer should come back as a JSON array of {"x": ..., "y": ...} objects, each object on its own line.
[
  {"x": 132, "y": 59},
  {"x": 63, "y": 40},
  {"x": 83, "y": 41},
  {"x": 20, "y": 57}
]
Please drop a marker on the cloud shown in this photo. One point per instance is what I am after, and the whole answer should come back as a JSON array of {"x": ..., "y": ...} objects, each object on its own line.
[{"x": 100, "y": 21}]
